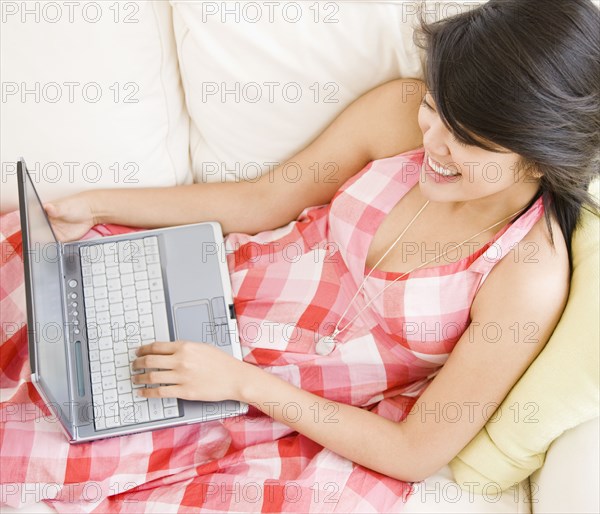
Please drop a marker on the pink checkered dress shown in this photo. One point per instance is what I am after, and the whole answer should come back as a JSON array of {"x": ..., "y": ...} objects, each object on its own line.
[{"x": 291, "y": 286}]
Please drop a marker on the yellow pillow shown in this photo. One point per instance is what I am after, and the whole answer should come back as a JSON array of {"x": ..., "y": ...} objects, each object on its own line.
[{"x": 557, "y": 392}]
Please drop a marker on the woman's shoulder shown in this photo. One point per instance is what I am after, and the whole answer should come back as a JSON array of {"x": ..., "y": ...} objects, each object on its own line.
[
  {"x": 549, "y": 248},
  {"x": 535, "y": 273}
]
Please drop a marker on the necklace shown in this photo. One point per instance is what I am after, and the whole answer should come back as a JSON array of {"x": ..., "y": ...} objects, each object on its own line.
[{"x": 326, "y": 344}]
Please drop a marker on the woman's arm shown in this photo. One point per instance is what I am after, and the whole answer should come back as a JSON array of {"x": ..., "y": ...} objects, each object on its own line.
[
  {"x": 477, "y": 376},
  {"x": 383, "y": 119}
]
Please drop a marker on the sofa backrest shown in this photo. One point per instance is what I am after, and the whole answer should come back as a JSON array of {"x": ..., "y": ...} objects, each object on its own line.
[
  {"x": 91, "y": 97},
  {"x": 263, "y": 80}
]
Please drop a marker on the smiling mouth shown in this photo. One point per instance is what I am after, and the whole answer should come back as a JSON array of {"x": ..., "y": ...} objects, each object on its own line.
[{"x": 441, "y": 170}]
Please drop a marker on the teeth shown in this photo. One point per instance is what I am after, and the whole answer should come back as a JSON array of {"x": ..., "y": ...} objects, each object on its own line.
[{"x": 440, "y": 170}]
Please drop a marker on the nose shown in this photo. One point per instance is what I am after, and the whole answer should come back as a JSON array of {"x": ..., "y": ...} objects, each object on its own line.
[{"x": 436, "y": 136}]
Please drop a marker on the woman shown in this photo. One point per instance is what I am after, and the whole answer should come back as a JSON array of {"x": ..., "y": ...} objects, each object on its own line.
[{"x": 432, "y": 269}]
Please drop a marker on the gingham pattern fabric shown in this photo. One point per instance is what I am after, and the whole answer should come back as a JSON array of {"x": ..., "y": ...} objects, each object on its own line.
[{"x": 290, "y": 287}]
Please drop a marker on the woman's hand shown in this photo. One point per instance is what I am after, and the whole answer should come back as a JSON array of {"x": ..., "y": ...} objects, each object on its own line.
[
  {"x": 194, "y": 371},
  {"x": 71, "y": 217}
]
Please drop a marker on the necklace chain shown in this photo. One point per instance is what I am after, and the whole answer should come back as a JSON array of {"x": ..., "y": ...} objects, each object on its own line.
[{"x": 338, "y": 330}]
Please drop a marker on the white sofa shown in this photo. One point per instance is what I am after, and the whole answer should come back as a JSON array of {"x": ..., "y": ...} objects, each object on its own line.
[{"x": 161, "y": 93}]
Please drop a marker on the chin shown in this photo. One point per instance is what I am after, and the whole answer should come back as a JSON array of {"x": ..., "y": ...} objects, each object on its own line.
[{"x": 438, "y": 192}]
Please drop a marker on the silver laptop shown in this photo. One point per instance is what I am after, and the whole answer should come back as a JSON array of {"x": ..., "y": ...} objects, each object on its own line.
[{"x": 91, "y": 304}]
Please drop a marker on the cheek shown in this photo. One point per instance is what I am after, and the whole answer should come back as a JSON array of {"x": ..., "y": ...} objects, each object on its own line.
[
  {"x": 422, "y": 119},
  {"x": 492, "y": 175}
]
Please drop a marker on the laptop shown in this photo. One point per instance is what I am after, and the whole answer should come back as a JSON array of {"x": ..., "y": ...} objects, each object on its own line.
[{"x": 92, "y": 303}]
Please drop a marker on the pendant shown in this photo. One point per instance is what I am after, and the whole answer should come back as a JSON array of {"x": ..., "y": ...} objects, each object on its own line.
[{"x": 326, "y": 344}]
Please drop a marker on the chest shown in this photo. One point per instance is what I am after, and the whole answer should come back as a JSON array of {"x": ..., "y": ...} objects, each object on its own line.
[{"x": 433, "y": 239}]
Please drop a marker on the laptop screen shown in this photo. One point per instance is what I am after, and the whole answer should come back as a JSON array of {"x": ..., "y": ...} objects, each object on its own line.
[{"x": 46, "y": 328}]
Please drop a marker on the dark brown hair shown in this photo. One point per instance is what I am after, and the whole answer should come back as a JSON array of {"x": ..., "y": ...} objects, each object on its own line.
[{"x": 524, "y": 75}]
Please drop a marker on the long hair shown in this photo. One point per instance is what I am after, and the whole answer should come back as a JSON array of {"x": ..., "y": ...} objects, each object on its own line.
[{"x": 524, "y": 75}]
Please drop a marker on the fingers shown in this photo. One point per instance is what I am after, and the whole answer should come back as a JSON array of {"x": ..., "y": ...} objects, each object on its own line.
[
  {"x": 155, "y": 377},
  {"x": 170, "y": 391},
  {"x": 153, "y": 361},
  {"x": 50, "y": 209},
  {"x": 158, "y": 348}
]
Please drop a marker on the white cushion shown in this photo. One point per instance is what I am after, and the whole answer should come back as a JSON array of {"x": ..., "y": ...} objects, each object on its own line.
[
  {"x": 136, "y": 134},
  {"x": 568, "y": 481},
  {"x": 263, "y": 79},
  {"x": 440, "y": 493}
]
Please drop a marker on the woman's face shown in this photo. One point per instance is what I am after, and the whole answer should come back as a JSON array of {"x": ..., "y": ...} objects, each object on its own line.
[{"x": 469, "y": 172}]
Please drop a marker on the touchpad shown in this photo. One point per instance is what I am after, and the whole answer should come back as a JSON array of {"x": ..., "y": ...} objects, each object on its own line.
[{"x": 193, "y": 322}]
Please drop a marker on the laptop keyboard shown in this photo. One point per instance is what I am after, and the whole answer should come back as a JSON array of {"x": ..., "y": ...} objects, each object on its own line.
[{"x": 125, "y": 308}]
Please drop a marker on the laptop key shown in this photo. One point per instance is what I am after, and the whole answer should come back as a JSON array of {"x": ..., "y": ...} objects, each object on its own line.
[
  {"x": 122, "y": 360},
  {"x": 171, "y": 412},
  {"x": 113, "y": 285},
  {"x": 107, "y": 356},
  {"x": 111, "y": 412},
  {"x": 169, "y": 402},
  {"x": 157, "y": 296},
  {"x": 98, "y": 280},
  {"x": 107, "y": 369},
  {"x": 109, "y": 382},
  {"x": 125, "y": 399},
  {"x": 144, "y": 308},
  {"x": 161, "y": 324},
  {"x": 155, "y": 408},
  {"x": 99, "y": 293},
  {"x": 131, "y": 316},
  {"x": 103, "y": 317},
  {"x": 103, "y": 329},
  {"x": 120, "y": 348},
  {"x": 154, "y": 271},
  {"x": 124, "y": 386},
  {"x": 142, "y": 285},
  {"x": 105, "y": 343},
  {"x": 122, "y": 373},
  {"x": 127, "y": 279},
  {"x": 101, "y": 305},
  {"x": 112, "y": 272},
  {"x": 125, "y": 267},
  {"x": 110, "y": 396},
  {"x": 147, "y": 333},
  {"x": 141, "y": 413},
  {"x": 127, "y": 414},
  {"x": 129, "y": 292},
  {"x": 146, "y": 320},
  {"x": 98, "y": 268}
]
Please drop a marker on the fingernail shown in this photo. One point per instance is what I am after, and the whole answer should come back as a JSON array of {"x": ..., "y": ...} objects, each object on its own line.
[{"x": 137, "y": 351}]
